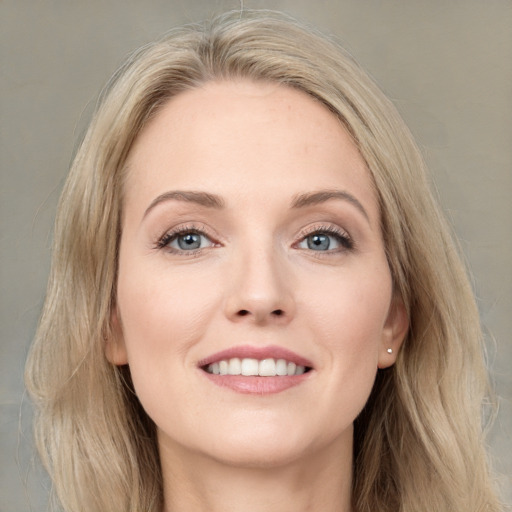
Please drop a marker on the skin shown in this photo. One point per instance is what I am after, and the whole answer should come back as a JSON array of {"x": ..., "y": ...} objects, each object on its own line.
[{"x": 255, "y": 281}]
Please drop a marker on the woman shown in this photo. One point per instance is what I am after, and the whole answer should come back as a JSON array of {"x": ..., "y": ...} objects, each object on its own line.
[{"x": 255, "y": 303}]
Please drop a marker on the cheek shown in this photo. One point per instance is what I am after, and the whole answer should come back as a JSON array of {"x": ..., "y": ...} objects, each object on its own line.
[
  {"x": 348, "y": 318},
  {"x": 162, "y": 314},
  {"x": 352, "y": 306}
]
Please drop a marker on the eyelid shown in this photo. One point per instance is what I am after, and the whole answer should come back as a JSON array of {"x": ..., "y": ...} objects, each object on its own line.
[
  {"x": 162, "y": 243},
  {"x": 346, "y": 240}
]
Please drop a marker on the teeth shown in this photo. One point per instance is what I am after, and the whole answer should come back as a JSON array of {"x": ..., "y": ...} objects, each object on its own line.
[
  {"x": 281, "y": 367},
  {"x": 234, "y": 366},
  {"x": 223, "y": 367},
  {"x": 290, "y": 369},
  {"x": 267, "y": 368},
  {"x": 252, "y": 367}
]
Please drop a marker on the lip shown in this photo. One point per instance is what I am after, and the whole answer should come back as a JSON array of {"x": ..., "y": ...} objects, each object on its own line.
[
  {"x": 254, "y": 384},
  {"x": 248, "y": 351}
]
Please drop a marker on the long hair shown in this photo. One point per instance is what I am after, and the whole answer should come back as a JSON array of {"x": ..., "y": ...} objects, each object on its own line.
[{"x": 418, "y": 442}]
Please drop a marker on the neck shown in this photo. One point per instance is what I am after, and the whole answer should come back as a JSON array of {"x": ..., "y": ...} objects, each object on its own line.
[{"x": 196, "y": 483}]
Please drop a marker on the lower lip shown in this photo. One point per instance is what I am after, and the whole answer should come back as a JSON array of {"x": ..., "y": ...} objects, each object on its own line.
[{"x": 257, "y": 385}]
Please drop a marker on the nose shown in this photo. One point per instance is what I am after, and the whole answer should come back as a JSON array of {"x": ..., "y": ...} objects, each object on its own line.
[{"x": 260, "y": 291}]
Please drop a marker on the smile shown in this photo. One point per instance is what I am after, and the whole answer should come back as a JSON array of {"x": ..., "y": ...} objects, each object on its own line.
[
  {"x": 256, "y": 370},
  {"x": 253, "y": 367}
]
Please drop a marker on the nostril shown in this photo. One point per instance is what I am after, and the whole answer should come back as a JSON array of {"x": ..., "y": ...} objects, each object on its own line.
[{"x": 246, "y": 312}]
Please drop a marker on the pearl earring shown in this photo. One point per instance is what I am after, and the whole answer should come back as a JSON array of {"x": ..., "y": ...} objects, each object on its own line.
[{"x": 390, "y": 350}]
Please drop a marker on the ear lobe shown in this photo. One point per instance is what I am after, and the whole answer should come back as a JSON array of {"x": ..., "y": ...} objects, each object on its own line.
[
  {"x": 394, "y": 332},
  {"x": 115, "y": 348}
]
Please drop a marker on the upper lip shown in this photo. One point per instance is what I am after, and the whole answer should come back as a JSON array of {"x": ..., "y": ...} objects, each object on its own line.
[{"x": 252, "y": 352}]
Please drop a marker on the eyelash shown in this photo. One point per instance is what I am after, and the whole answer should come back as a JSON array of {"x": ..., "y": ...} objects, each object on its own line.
[
  {"x": 344, "y": 239},
  {"x": 168, "y": 237}
]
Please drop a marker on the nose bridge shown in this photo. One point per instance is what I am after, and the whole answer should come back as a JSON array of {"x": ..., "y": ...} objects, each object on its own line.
[{"x": 260, "y": 290}]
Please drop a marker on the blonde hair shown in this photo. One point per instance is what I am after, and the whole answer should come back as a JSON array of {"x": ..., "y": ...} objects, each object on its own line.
[{"x": 418, "y": 442}]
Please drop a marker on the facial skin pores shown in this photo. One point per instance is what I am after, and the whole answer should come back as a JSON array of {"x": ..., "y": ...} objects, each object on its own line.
[{"x": 254, "y": 301}]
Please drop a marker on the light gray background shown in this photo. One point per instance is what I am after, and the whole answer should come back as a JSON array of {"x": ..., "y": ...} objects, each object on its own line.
[{"x": 447, "y": 64}]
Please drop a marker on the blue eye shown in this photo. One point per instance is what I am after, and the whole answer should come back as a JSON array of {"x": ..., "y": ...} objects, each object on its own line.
[
  {"x": 189, "y": 240},
  {"x": 323, "y": 241}
]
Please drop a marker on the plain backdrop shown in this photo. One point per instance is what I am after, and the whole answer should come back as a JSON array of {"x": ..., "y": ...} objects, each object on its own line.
[{"x": 447, "y": 65}]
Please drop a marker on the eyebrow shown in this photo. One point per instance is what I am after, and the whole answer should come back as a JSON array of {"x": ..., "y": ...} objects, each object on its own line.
[
  {"x": 322, "y": 196},
  {"x": 214, "y": 201},
  {"x": 188, "y": 196}
]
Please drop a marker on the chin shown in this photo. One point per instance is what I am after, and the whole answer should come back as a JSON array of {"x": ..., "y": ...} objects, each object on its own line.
[
  {"x": 261, "y": 456},
  {"x": 266, "y": 448}
]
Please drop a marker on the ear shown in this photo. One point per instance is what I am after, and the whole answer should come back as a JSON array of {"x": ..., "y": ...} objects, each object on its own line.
[
  {"x": 393, "y": 334},
  {"x": 115, "y": 348}
]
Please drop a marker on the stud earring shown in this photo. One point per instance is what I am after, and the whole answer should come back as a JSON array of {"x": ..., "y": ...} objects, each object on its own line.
[{"x": 390, "y": 350}]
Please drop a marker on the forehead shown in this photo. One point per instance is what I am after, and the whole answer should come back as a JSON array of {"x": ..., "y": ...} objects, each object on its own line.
[{"x": 241, "y": 137}]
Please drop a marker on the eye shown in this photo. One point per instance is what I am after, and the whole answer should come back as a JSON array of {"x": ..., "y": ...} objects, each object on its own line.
[
  {"x": 326, "y": 240},
  {"x": 185, "y": 240},
  {"x": 189, "y": 241}
]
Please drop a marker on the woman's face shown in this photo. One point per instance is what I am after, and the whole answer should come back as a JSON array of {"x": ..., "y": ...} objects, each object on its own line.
[{"x": 251, "y": 243}]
